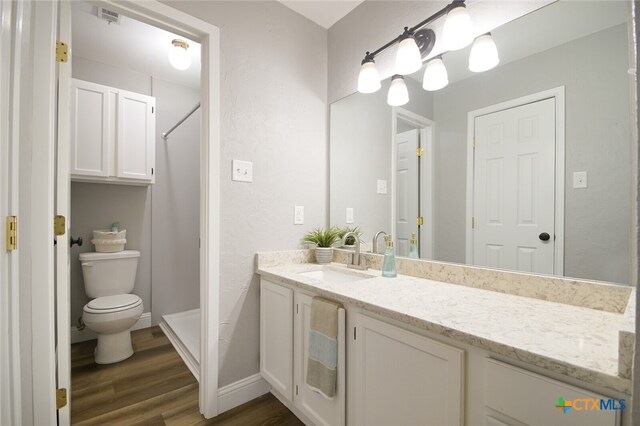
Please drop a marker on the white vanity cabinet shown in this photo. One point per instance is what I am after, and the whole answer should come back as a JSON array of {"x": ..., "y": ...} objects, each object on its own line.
[
  {"x": 285, "y": 318},
  {"x": 397, "y": 377},
  {"x": 112, "y": 135}
]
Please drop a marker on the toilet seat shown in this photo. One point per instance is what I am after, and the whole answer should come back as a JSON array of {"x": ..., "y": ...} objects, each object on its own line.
[{"x": 111, "y": 304}]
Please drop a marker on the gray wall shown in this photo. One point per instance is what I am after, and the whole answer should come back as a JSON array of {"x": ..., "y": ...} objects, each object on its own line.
[
  {"x": 175, "y": 204},
  {"x": 374, "y": 23},
  {"x": 274, "y": 113},
  {"x": 97, "y": 205},
  {"x": 597, "y": 219},
  {"x": 361, "y": 148}
]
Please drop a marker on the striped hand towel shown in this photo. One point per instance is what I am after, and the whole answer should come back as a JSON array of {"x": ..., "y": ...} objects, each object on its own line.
[{"x": 323, "y": 347}]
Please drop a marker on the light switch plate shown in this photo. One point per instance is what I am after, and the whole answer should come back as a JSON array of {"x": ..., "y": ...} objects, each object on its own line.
[
  {"x": 579, "y": 180},
  {"x": 349, "y": 214},
  {"x": 242, "y": 171},
  {"x": 382, "y": 186},
  {"x": 298, "y": 215}
]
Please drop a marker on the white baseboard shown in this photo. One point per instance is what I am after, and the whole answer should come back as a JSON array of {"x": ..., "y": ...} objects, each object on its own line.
[
  {"x": 86, "y": 334},
  {"x": 242, "y": 391}
]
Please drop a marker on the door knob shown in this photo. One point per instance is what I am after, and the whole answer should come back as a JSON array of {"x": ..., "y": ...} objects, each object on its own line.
[
  {"x": 544, "y": 236},
  {"x": 77, "y": 241}
]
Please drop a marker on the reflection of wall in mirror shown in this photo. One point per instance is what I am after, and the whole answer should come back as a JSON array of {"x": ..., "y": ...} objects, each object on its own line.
[
  {"x": 361, "y": 154},
  {"x": 597, "y": 220}
]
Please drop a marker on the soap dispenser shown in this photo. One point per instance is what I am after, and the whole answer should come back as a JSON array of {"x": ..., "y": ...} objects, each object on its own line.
[
  {"x": 389, "y": 262},
  {"x": 413, "y": 247}
]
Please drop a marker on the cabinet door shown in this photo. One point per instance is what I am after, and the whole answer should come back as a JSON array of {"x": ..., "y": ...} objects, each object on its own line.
[
  {"x": 135, "y": 144},
  {"x": 320, "y": 410},
  {"x": 276, "y": 337},
  {"x": 401, "y": 378},
  {"x": 91, "y": 129}
]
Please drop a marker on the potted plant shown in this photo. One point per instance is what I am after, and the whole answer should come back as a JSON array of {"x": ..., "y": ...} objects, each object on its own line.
[
  {"x": 323, "y": 239},
  {"x": 351, "y": 241}
]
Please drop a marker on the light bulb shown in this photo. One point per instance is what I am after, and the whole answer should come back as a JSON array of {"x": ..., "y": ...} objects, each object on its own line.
[
  {"x": 458, "y": 28},
  {"x": 179, "y": 56},
  {"x": 408, "y": 57},
  {"x": 398, "y": 94},
  {"x": 369, "y": 79},
  {"x": 435, "y": 75},
  {"x": 484, "y": 54}
]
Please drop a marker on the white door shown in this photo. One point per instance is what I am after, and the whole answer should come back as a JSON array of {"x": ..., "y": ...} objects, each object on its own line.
[
  {"x": 62, "y": 208},
  {"x": 407, "y": 189},
  {"x": 135, "y": 144},
  {"x": 514, "y": 188},
  {"x": 401, "y": 378},
  {"x": 276, "y": 337},
  {"x": 92, "y": 129},
  {"x": 320, "y": 410}
]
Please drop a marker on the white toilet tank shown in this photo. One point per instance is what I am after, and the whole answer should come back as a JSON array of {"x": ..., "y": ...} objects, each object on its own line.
[{"x": 106, "y": 274}]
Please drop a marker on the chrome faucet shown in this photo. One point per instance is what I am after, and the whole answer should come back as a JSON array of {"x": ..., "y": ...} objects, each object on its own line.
[
  {"x": 375, "y": 241},
  {"x": 355, "y": 260}
]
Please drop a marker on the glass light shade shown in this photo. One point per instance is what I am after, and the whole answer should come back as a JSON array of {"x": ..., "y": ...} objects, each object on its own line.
[
  {"x": 179, "y": 56},
  {"x": 398, "y": 94},
  {"x": 484, "y": 54},
  {"x": 369, "y": 79},
  {"x": 458, "y": 29},
  {"x": 408, "y": 58},
  {"x": 435, "y": 75}
]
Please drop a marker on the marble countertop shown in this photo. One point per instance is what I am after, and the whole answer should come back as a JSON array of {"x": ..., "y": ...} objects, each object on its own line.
[{"x": 578, "y": 342}]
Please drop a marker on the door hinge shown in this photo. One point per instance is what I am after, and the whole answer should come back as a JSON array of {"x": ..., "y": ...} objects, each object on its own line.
[
  {"x": 297, "y": 310},
  {"x": 419, "y": 151},
  {"x": 59, "y": 225},
  {"x": 473, "y": 222},
  {"x": 296, "y": 389},
  {"x": 12, "y": 233},
  {"x": 354, "y": 333},
  {"x": 152, "y": 170},
  {"x": 420, "y": 221},
  {"x": 62, "y": 51},
  {"x": 61, "y": 398}
]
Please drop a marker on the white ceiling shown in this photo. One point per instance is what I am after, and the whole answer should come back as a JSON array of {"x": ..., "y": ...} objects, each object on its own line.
[
  {"x": 323, "y": 12},
  {"x": 131, "y": 45}
]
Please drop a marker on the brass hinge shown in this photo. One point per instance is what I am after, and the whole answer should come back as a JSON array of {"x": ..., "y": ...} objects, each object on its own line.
[
  {"x": 12, "y": 233},
  {"x": 474, "y": 142},
  {"x": 420, "y": 221},
  {"x": 473, "y": 222},
  {"x": 59, "y": 225},
  {"x": 62, "y": 52},
  {"x": 61, "y": 398},
  {"x": 419, "y": 151}
]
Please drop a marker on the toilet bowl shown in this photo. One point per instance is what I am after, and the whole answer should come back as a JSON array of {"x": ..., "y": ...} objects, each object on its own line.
[
  {"x": 108, "y": 279},
  {"x": 111, "y": 318}
]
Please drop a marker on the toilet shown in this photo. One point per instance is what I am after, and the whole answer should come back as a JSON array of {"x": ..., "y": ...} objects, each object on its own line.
[{"x": 108, "y": 280}]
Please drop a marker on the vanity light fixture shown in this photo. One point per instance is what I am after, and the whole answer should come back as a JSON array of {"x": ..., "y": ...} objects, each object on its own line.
[
  {"x": 408, "y": 57},
  {"x": 178, "y": 55},
  {"x": 484, "y": 54},
  {"x": 398, "y": 94},
  {"x": 458, "y": 28},
  {"x": 369, "y": 79},
  {"x": 435, "y": 75}
]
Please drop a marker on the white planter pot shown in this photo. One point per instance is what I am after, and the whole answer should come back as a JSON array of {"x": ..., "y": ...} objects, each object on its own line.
[{"x": 324, "y": 255}]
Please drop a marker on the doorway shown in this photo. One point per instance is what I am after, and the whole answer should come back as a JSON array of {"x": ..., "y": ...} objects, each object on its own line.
[{"x": 515, "y": 185}]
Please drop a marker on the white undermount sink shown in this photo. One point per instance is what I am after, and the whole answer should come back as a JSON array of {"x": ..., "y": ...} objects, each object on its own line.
[{"x": 335, "y": 276}]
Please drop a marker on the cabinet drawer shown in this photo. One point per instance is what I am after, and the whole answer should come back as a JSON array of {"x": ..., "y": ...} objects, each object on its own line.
[{"x": 531, "y": 399}]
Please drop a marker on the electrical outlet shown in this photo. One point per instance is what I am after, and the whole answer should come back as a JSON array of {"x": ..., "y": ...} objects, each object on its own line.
[
  {"x": 579, "y": 180},
  {"x": 349, "y": 214},
  {"x": 242, "y": 171},
  {"x": 382, "y": 186},
  {"x": 298, "y": 215}
]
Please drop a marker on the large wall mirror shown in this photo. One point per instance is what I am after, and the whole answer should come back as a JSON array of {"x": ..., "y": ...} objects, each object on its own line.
[{"x": 524, "y": 167}]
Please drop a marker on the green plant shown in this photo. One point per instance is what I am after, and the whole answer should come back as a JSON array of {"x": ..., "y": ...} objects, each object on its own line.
[
  {"x": 344, "y": 231},
  {"x": 322, "y": 237}
]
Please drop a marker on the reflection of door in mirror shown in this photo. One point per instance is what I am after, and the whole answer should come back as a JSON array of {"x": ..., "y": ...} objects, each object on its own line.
[
  {"x": 412, "y": 200},
  {"x": 514, "y": 178}
]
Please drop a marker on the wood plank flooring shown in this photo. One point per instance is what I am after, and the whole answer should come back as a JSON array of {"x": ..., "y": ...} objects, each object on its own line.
[{"x": 153, "y": 387}]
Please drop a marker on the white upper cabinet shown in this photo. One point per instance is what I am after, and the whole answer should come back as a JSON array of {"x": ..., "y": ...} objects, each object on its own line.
[{"x": 112, "y": 135}]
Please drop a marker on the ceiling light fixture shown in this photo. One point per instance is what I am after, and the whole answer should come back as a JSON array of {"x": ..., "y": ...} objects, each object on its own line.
[
  {"x": 408, "y": 57},
  {"x": 484, "y": 54},
  {"x": 398, "y": 94},
  {"x": 369, "y": 79},
  {"x": 435, "y": 75},
  {"x": 458, "y": 28},
  {"x": 178, "y": 54}
]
